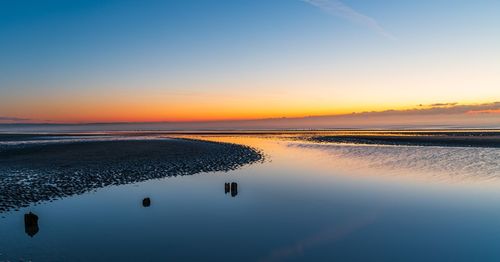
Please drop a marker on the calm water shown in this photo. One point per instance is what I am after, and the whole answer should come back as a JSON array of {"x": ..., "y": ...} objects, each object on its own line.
[{"x": 306, "y": 202}]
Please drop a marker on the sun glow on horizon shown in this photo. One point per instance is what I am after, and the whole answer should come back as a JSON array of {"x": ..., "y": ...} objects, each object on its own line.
[{"x": 209, "y": 113}]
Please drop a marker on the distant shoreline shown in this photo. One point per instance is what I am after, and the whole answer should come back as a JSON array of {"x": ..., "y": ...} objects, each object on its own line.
[
  {"x": 450, "y": 139},
  {"x": 267, "y": 125},
  {"x": 13, "y": 136}
]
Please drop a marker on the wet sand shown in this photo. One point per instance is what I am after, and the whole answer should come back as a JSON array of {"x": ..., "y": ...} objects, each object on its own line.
[
  {"x": 453, "y": 139},
  {"x": 43, "y": 172}
]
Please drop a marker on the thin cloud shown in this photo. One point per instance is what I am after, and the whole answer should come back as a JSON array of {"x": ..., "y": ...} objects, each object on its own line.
[
  {"x": 424, "y": 110},
  {"x": 486, "y": 115},
  {"x": 13, "y": 119},
  {"x": 442, "y": 109},
  {"x": 443, "y": 104},
  {"x": 486, "y": 111},
  {"x": 339, "y": 9}
]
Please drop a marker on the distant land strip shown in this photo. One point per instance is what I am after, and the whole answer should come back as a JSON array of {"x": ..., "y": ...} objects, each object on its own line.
[{"x": 465, "y": 139}]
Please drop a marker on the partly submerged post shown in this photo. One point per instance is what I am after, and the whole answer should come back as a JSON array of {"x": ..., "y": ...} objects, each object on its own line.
[
  {"x": 234, "y": 189},
  {"x": 31, "y": 224}
]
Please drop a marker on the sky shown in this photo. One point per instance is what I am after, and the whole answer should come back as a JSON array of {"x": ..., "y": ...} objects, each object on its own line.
[{"x": 147, "y": 61}]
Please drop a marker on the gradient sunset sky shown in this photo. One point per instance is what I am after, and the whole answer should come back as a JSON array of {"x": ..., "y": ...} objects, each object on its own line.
[{"x": 112, "y": 61}]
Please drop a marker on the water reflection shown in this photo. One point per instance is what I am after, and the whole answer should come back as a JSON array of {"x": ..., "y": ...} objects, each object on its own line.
[
  {"x": 31, "y": 224},
  {"x": 437, "y": 164},
  {"x": 301, "y": 206},
  {"x": 146, "y": 202},
  {"x": 330, "y": 234},
  {"x": 231, "y": 187},
  {"x": 444, "y": 165}
]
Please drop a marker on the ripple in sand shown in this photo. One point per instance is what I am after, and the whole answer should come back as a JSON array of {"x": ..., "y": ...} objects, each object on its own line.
[{"x": 45, "y": 172}]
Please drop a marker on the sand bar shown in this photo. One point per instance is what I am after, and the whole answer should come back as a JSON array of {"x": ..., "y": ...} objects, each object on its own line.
[{"x": 42, "y": 172}]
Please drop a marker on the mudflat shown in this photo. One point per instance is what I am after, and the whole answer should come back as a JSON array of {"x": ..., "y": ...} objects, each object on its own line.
[
  {"x": 454, "y": 139},
  {"x": 42, "y": 172}
]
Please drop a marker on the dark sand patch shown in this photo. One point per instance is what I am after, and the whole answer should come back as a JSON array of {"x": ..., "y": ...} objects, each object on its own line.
[
  {"x": 471, "y": 139},
  {"x": 45, "y": 172}
]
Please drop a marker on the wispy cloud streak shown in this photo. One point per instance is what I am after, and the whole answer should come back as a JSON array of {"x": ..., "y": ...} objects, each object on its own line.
[
  {"x": 327, "y": 236},
  {"x": 339, "y": 9},
  {"x": 13, "y": 119},
  {"x": 436, "y": 109}
]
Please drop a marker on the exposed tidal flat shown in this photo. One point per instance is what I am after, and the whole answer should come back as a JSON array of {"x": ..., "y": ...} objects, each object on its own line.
[
  {"x": 464, "y": 156},
  {"x": 43, "y": 168},
  {"x": 426, "y": 138}
]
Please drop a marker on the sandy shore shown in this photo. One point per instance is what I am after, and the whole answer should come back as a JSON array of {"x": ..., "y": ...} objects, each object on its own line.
[{"x": 44, "y": 172}]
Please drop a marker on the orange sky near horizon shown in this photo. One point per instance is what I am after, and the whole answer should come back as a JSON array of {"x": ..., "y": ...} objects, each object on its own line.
[{"x": 95, "y": 111}]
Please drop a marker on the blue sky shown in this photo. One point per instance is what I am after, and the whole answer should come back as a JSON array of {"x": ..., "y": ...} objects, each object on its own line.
[{"x": 303, "y": 57}]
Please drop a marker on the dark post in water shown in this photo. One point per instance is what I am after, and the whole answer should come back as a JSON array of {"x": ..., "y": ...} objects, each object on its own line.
[
  {"x": 31, "y": 224},
  {"x": 231, "y": 187},
  {"x": 234, "y": 189}
]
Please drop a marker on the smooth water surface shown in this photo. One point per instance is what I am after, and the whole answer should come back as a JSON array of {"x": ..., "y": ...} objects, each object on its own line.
[{"x": 305, "y": 202}]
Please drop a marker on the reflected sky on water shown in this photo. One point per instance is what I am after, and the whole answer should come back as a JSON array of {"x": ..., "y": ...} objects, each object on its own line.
[{"x": 305, "y": 202}]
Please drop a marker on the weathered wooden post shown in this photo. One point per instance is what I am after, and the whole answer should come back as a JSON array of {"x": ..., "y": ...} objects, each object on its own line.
[
  {"x": 31, "y": 224},
  {"x": 146, "y": 202},
  {"x": 234, "y": 189}
]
